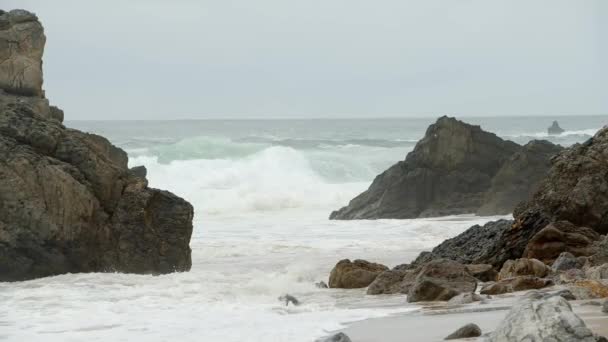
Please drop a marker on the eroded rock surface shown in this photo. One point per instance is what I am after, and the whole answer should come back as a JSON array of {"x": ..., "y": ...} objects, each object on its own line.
[
  {"x": 355, "y": 274},
  {"x": 441, "y": 280}
]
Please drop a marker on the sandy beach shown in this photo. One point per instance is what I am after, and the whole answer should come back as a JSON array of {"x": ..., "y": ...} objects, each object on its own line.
[{"x": 434, "y": 321}]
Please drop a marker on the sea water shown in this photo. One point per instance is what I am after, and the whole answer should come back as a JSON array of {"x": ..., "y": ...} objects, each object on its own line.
[{"x": 262, "y": 191}]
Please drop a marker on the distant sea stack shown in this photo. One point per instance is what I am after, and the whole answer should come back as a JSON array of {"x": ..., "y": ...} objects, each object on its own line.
[
  {"x": 456, "y": 168},
  {"x": 554, "y": 129},
  {"x": 68, "y": 201}
]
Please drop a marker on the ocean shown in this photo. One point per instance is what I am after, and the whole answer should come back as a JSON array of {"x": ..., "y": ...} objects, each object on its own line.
[{"x": 262, "y": 192}]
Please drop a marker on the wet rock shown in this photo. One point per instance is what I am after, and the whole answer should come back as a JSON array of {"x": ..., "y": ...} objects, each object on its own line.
[
  {"x": 392, "y": 281},
  {"x": 139, "y": 171},
  {"x": 567, "y": 261},
  {"x": 289, "y": 299},
  {"x": 467, "y": 331},
  {"x": 451, "y": 171},
  {"x": 477, "y": 245},
  {"x": 520, "y": 283},
  {"x": 440, "y": 280},
  {"x": 548, "y": 319},
  {"x": 560, "y": 237},
  {"x": 523, "y": 267},
  {"x": 321, "y": 285},
  {"x": 339, "y": 337},
  {"x": 554, "y": 129},
  {"x": 605, "y": 307},
  {"x": 356, "y": 274},
  {"x": 482, "y": 272}
]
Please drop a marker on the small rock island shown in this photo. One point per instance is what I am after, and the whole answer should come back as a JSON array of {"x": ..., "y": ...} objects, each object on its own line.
[{"x": 554, "y": 129}]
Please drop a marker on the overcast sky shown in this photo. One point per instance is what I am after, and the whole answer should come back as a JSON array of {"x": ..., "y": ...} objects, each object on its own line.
[{"x": 153, "y": 59}]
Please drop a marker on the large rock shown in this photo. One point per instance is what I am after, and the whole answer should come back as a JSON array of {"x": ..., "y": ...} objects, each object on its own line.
[
  {"x": 467, "y": 331},
  {"x": 68, "y": 202},
  {"x": 355, "y": 274},
  {"x": 520, "y": 283},
  {"x": 477, "y": 245},
  {"x": 440, "y": 280},
  {"x": 566, "y": 261},
  {"x": 21, "y": 47},
  {"x": 393, "y": 281},
  {"x": 453, "y": 170},
  {"x": 559, "y": 237},
  {"x": 523, "y": 267},
  {"x": 482, "y": 272},
  {"x": 549, "y": 319}
]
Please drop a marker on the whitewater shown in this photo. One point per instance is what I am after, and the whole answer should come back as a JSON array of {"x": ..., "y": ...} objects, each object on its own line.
[{"x": 262, "y": 192}]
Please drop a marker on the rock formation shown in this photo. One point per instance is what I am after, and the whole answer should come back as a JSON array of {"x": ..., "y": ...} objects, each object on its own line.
[
  {"x": 467, "y": 331},
  {"x": 554, "y": 129},
  {"x": 549, "y": 319},
  {"x": 440, "y": 280},
  {"x": 455, "y": 169},
  {"x": 68, "y": 201}
]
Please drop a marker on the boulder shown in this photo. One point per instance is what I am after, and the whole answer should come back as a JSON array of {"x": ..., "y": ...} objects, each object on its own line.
[
  {"x": 440, "y": 280},
  {"x": 523, "y": 267},
  {"x": 550, "y": 319},
  {"x": 559, "y": 237},
  {"x": 520, "y": 283},
  {"x": 567, "y": 261},
  {"x": 392, "y": 282},
  {"x": 605, "y": 307},
  {"x": 68, "y": 202},
  {"x": 468, "y": 331},
  {"x": 22, "y": 42},
  {"x": 339, "y": 337},
  {"x": 482, "y": 272},
  {"x": 451, "y": 171},
  {"x": 355, "y": 274},
  {"x": 477, "y": 245},
  {"x": 571, "y": 275},
  {"x": 590, "y": 289}
]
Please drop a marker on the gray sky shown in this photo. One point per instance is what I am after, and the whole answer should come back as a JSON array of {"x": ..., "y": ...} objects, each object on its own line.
[{"x": 166, "y": 59}]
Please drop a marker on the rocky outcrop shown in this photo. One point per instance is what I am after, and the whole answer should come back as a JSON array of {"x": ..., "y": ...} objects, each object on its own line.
[
  {"x": 482, "y": 272},
  {"x": 440, "y": 280},
  {"x": 355, "y": 274},
  {"x": 393, "y": 281},
  {"x": 550, "y": 319},
  {"x": 68, "y": 201},
  {"x": 455, "y": 169},
  {"x": 554, "y": 129},
  {"x": 21, "y": 47}
]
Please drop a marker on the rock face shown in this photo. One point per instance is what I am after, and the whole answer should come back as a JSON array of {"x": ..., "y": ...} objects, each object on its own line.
[
  {"x": 440, "y": 280},
  {"x": 548, "y": 319},
  {"x": 355, "y": 274},
  {"x": 554, "y": 129},
  {"x": 393, "y": 281},
  {"x": 68, "y": 202},
  {"x": 21, "y": 47},
  {"x": 575, "y": 191},
  {"x": 455, "y": 169}
]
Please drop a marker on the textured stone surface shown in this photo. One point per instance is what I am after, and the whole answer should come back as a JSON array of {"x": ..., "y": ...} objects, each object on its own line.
[
  {"x": 548, "y": 319},
  {"x": 483, "y": 272},
  {"x": 567, "y": 261},
  {"x": 467, "y": 331},
  {"x": 559, "y": 237},
  {"x": 393, "y": 281},
  {"x": 520, "y": 283},
  {"x": 452, "y": 170},
  {"x": 22, "y": 42},
  {"x": 355, "y": 274},
  {"x": 523, "y": 267},
  {"x": 440, "y": 280}
]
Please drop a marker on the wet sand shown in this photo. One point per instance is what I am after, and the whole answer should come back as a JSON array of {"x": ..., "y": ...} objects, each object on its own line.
[{"x": 433, "y": 322}]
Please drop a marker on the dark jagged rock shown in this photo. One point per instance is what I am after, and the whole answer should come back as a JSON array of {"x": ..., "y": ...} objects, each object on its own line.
[
  {"x": 477, "y": 245},
  {"x": 559, "y": 237},
  {"x": 355, "y": 274},
  {"x": 483, "y": 272},
  {"x": 440, "y": 280},
  {"x": 393, "y": 281},
  {"x": 455, "y": 169},
  {"x": 467, "y": 331},
  {"x": 554, "y": 129},
  {"x": 339, "y": 337},
  {"x": 68, "y": 202}
]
